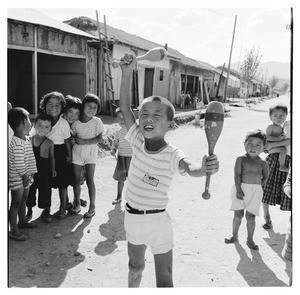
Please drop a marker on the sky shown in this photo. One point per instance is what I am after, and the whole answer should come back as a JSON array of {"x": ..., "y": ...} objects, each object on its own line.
[{"x": 204, "y": 34}]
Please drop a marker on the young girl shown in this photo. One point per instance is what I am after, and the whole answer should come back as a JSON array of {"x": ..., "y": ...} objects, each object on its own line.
[
  {"x": 88, "y": 133},
  {"x": 273, "y": 192},
  {"x": 72, "y": 112},
  {"x": 53, "y": 104}
]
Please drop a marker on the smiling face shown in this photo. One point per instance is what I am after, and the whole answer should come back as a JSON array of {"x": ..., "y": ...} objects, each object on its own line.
[
  {"x": 53, "y": 107},
  {"x": 153, "y": 121},
  {"x": 254, "y": 146},
  {"x": 71, "y": 115},
  {"x": 278, "y": 116},
  {"x": 90, "y": 110},
  {"x": 42, "y": 127}
]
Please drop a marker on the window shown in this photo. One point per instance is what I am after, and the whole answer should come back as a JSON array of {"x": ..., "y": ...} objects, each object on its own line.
[{"x": 161, "y": 75}]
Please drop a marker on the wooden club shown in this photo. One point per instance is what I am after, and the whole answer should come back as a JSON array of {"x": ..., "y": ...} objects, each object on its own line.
[
  {"x": 213, "y": 124},
  {"x": 154, "y": 54}
]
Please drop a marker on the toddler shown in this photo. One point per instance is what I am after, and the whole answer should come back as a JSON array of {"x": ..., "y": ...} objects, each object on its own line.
[
  {"x": 43, "y": 149},
  {"x": 21, "y": 167},
  {"x": 250, "y": 173}
]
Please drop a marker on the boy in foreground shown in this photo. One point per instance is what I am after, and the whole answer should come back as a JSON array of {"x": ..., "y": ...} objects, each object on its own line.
[{"x": 153, "y": 164}]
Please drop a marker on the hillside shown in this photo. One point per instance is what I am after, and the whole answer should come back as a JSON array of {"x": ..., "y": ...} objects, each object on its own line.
[{"x": 282, "y": 70}]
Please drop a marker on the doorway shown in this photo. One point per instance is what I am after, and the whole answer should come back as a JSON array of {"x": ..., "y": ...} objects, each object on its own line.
[{"x": 148, "y": 85}]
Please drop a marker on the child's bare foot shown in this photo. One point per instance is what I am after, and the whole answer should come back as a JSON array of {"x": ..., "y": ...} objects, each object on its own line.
[
  {"x": 252, "y": 245},
  {"x": 231, "y": 240}
]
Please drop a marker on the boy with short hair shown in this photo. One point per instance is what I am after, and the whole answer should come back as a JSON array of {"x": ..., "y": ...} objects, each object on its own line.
[
  {"x": 123, "y": 147},
  {"x": 43, "y": 149},
  {"x": 153, "y": 164},
  {"x": 21, "y": 167},
  {"x": 250, "y": 173}
]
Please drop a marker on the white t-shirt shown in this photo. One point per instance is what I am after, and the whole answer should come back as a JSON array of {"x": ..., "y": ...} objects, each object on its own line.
[
  {"x": 59, "y": 132},
  {"x": 150, "y": 173}
]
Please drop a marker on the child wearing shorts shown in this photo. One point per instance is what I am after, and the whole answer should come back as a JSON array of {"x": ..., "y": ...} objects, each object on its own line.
[
  {"x": 21, "y": 168},
  {"x": 153, "y": 164},
  {"x": 250, "y": 173},
  {"x": 88, "y": 132},
  {"x": 123, "y": 147}
]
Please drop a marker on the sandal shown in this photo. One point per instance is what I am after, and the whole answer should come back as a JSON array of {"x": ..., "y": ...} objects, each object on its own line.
[
  {"x": 230, "y": 240},
  {"x": 89, "y": 214},
  {"x": 61, "y": 214},
  {"x": 27, "y": 225},
  {"x": 75, "y": 210},
  {"x": 116, "y": 201},
  {"x": 267, "y": 225},
  {"x": 16, "y": 236},
  {"x": 252, "y": 245}
]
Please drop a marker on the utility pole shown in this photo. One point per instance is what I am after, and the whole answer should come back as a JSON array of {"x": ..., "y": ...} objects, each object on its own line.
[{"x": 226, "y": 82}]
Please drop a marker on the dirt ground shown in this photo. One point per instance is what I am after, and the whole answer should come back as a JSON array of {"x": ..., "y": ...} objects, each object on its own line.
[{"x": 92, "y": 253}]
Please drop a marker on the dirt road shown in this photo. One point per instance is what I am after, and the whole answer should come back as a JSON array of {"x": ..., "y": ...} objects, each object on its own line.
[{"x": 93, "y": 253}]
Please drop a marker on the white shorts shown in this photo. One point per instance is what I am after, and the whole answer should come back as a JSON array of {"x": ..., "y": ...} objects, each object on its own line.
[
  {"x": 253, "y": 194},
  {"x": 153, "y": 230},
  {"x": 84, "y": 154}
]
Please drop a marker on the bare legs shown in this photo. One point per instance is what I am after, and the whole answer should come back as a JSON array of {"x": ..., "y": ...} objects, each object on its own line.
[
  {"x": 163, "y": 266},
  {"x": 237, "y": 220}
]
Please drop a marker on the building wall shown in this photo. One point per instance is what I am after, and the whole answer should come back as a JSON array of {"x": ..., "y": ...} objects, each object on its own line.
[
  {"x": 159, "y": 87},
  {"x": 65, "y": 63}
]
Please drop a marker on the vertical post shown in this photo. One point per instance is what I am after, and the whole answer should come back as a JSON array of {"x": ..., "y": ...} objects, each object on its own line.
[
  {"x": 34, "y": 74},
  {"x": 226, "y": 82},
  {"x": 100, "y": 67},
  {"x": 219, "y": 83}
]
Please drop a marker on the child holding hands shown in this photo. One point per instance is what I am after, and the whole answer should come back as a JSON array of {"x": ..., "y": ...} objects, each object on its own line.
[
  {"x": 153, "y": 164},
  {"x": 250, "y": 173},
  {"x": 123, "y": 147},
  {"x": 21, "y": 166},
  {"x": 88, "y": 132}
]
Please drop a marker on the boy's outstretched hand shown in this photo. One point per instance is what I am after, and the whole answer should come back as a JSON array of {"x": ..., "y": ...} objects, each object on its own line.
[{"x": 210, "y": 164}]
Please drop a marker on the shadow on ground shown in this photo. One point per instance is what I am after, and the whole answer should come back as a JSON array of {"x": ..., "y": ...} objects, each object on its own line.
[
  {"x": 113, "y": 230},
  {"x": 43, "y": 260}
]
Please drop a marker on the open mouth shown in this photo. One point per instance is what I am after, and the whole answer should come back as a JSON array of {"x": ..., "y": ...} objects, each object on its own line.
[{"x": 148, "y": 127}]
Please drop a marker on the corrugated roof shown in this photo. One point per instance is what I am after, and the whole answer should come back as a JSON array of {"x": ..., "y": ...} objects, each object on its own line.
[
  {"x": 119, "y": 36},
  {"x": 29, "y": 15}
]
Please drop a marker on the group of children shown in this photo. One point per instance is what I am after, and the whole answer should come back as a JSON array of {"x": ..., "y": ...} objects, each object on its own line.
[
  {"x": 141, "y": 146},
  {"x": 62, "y": 141}
]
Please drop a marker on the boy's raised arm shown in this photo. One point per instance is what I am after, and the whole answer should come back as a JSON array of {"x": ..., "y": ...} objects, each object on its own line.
[{"x": 125, "y": 97}]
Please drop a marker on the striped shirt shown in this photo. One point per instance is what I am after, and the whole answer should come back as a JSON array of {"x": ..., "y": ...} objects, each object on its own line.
[
  {"x": 121, "y": 144},
  {"x": 150, "y": 173},
  {"x": 21, "y": 161}
]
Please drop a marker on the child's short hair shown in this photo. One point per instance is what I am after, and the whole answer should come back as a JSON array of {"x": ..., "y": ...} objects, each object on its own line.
[
  {"x": 258, "y": 134},
  {"x": 170, "y": 108},
  {"x": 73, "y": 102},
  {"x": 44, "y": 117},
  {"x": 89, "y": 97},
  {"x": 278, "y": 106},
  {"x": 50, "y": 95},
  {"x": 16, "y": 117}
]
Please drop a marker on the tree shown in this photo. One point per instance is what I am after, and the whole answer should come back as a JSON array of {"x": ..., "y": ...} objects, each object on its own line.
[
  {"x": 273, "y": 81},
  {"x": 250, "y": 65},
  {"x": 285, "y": 87}
]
